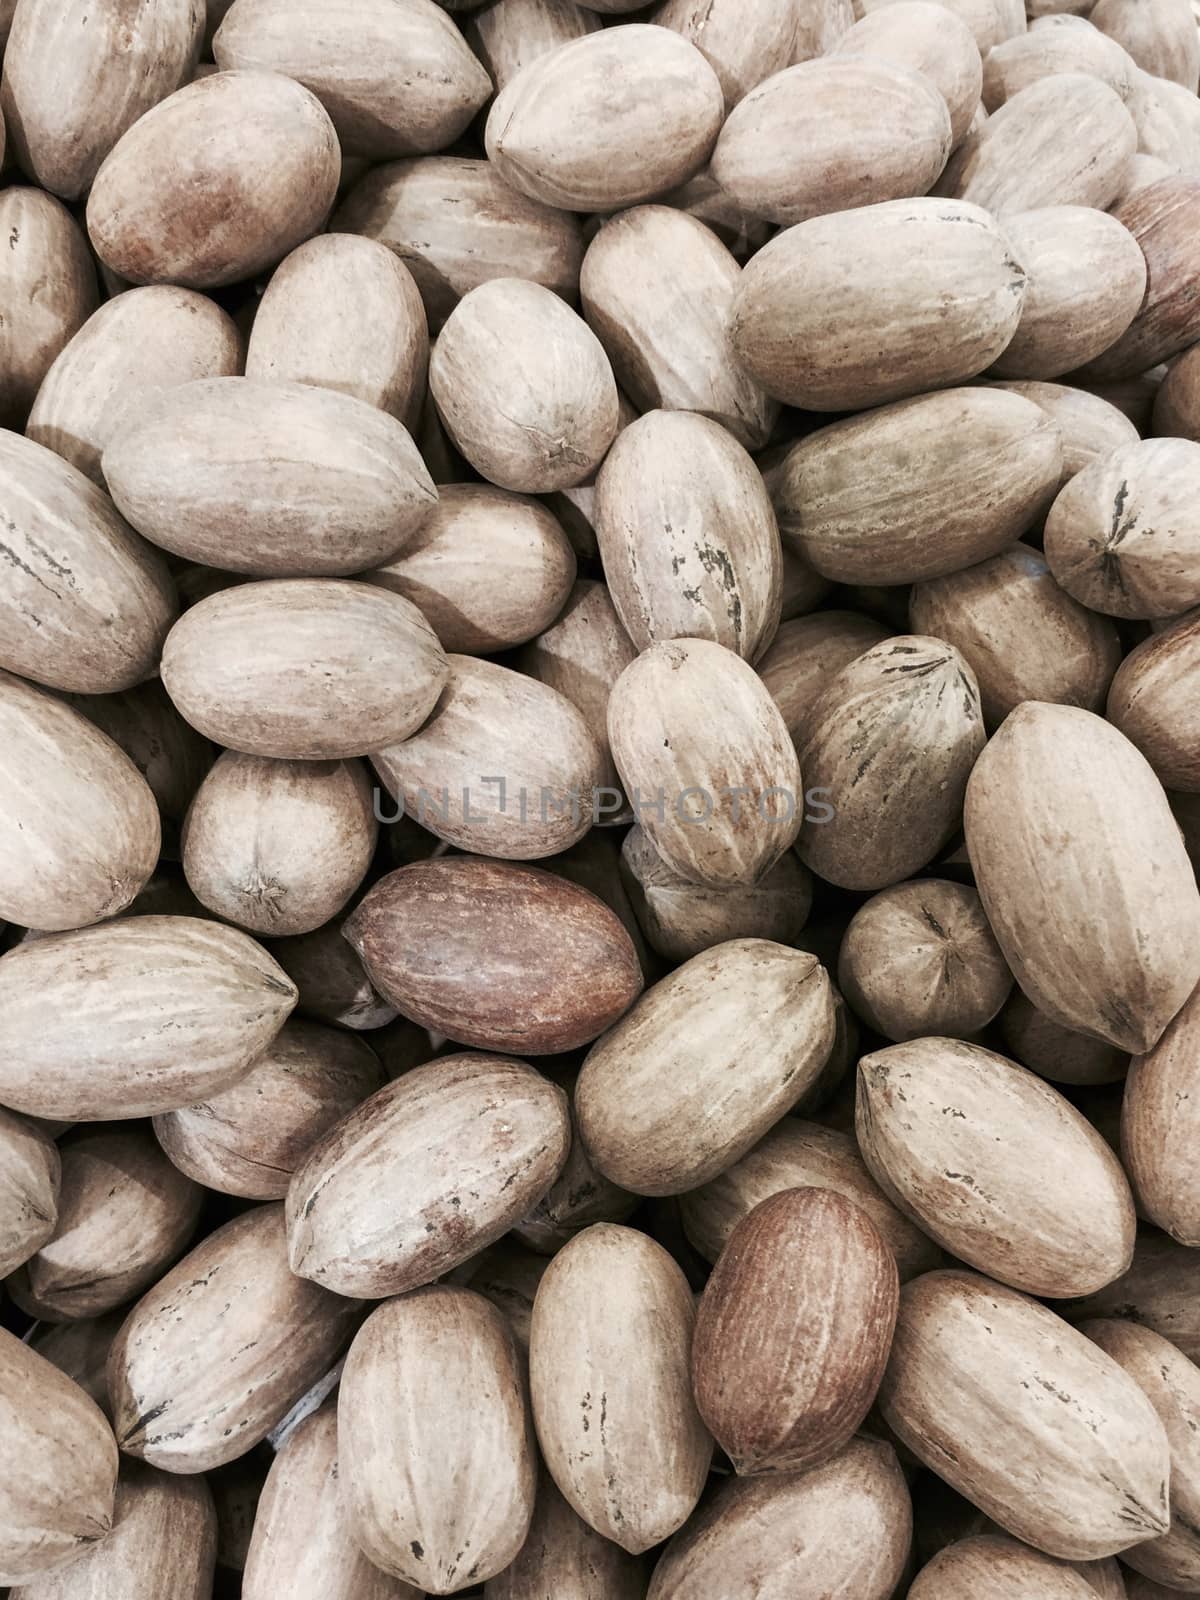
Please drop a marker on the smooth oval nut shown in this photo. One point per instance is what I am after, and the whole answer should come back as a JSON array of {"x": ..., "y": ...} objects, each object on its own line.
[
  {"x": 1158, "y": 36},
  {"x": 842, "y": 1529},
  {"x": 216, "y": 182},
  {"x": 301, "y": 1536},
  {"x": 919, "y": 959},
  {"x": 1162, "y": 218},
  {"x": 48, "y": 293},
  {"x": 608, "y": 120},
  {"x": 1023, "y": 637},
  {"x": 983, "y": 17},
  {"x": 981, "y": 465},
  {"x": 540, "y": 965},
  {"x": 694, "y": 1075},
  {"x": 133, "y": 1017},
  {"x": 966, "y": 1390},
  {"x": 455, "y": 224},
  {"x": 76, "y": 76},
  {"x": 1123, "y": 537},
  {"x": 221, "y": 1348},
  {"x": 30, "y": 1175},
  {"x": 86, "y": 604},
  {"x": 505, "y": 766},
  {"x": 1054, "y": 45},
  {"x": 1086, "y": 280},
  {"x": 1172, "y": 1385},
  {"x": 345, "y": 313},
  {"x": 272, "y": 479},
  {"x": 687, "y": 535},
  {"x": 935, "y": 297},
  {"x": 474, "y": 607},
  {"x": 396, "y": 79},
  {"x": 449, "y": 1500},
  {"x": 706, "y": 758},
  {"x": 658, "y": 289},
  {"x": 996, "y": 1166},
  {"x": 79, "y": 828},
  {"x": 832, "y": 135},
  {"x": 279, "y": 847},
  {"x": 125, "y": 1213},
  {"x": 913, "y": 702},
  {"x": 992, "y": 1567},
  {"x": 150, "y": 338},
  {"x": 609, "y": 1349},
  {"x": 523, "y": 387},
  {"x": 1063, "y": 140},
  {"x": 928, "y": 39},
  {"x": 1152, "y": 703},
  {"x": 1157, "y": 1118},
  {"x": 60, "y": 1502},
  {"x": 304, "y": 669},
  {"x": 1100, "y": 928},
  {"x": 801, "y": 1155},
  {"x": 793, "y": 1332},
  {"x": 1090, "y": 426},
  {"x": 248, "y": 1140},
  {"x": 425, "y": 1174}
]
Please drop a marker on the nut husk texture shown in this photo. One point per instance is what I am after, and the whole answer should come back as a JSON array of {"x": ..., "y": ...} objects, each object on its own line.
[
  {"x": 705, "y": 756},
  {"x": 992, "y": 1567},
  {"x": 889, "y": 748},
  {"x": 1172, "y": 1385},
  {"x": 86, "y": 602}
]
